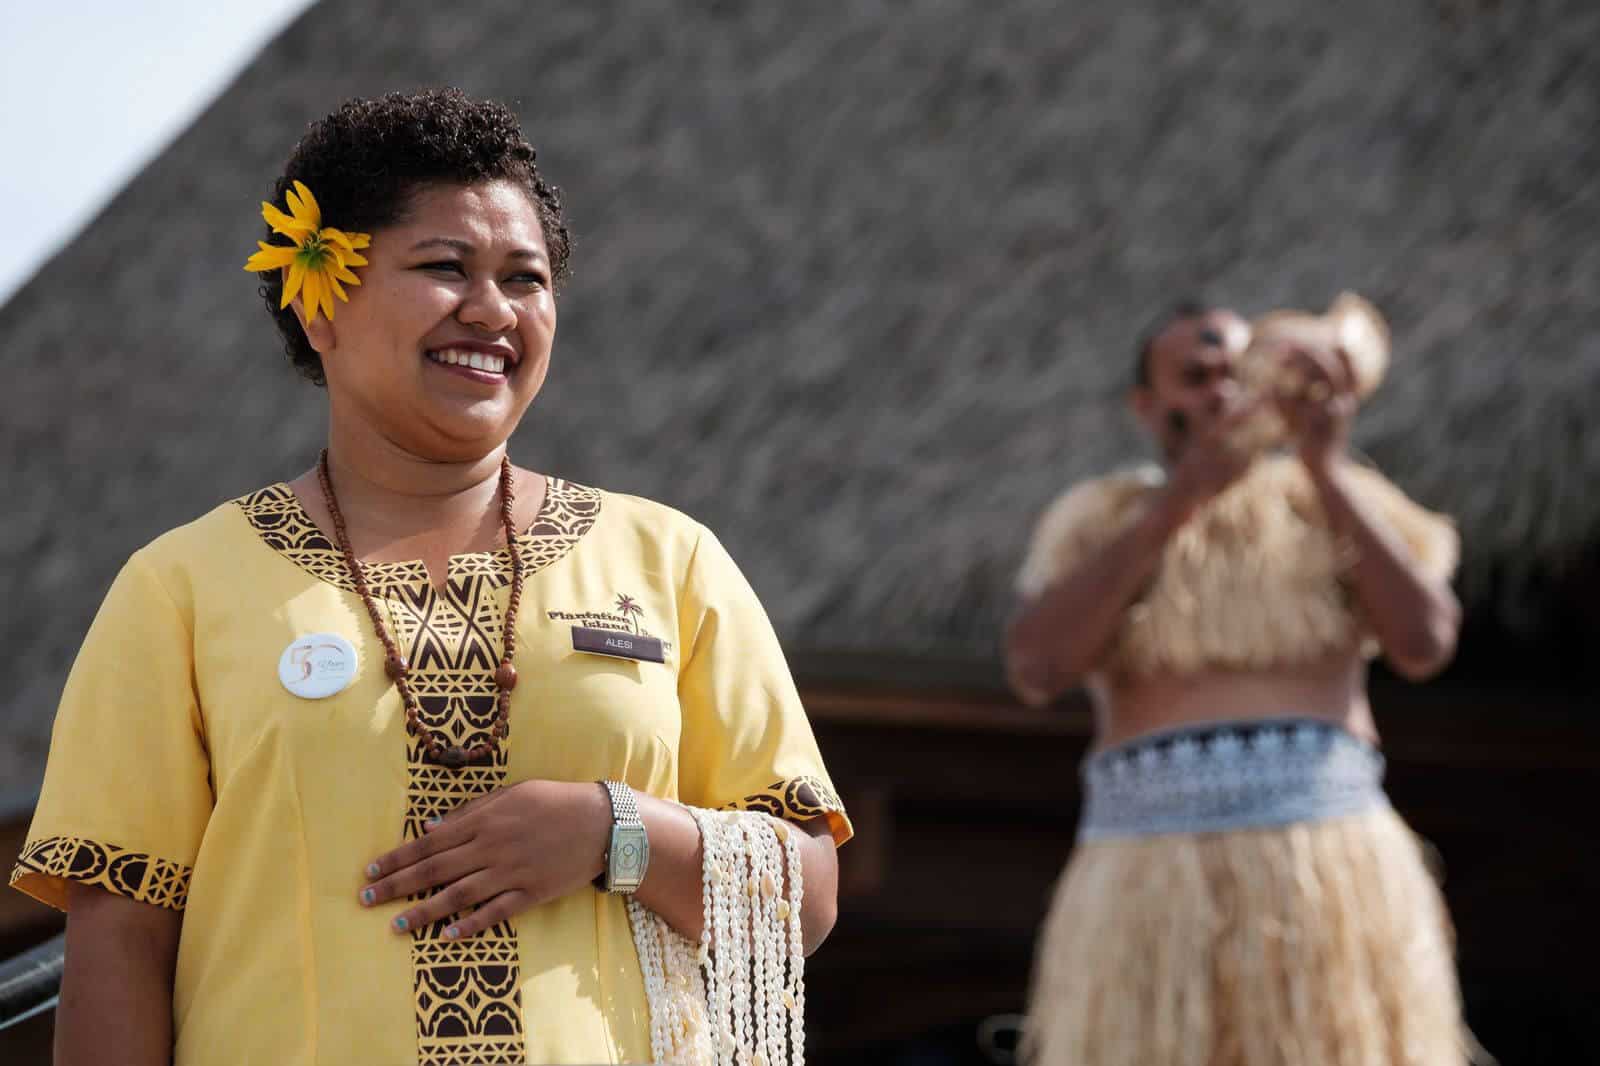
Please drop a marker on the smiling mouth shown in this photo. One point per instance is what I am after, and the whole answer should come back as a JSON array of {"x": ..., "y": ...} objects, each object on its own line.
[{"x": 469, "y": 360}]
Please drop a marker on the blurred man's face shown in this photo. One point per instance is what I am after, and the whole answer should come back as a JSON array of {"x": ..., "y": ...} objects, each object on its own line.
[{"x": 1193, "y": 368}]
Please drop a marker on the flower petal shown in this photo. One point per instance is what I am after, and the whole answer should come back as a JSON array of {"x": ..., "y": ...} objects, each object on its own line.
[
  {"x": 271, "y": 257},
  {"x": 332, "y": 282},
  {"x": 325, "y": 294},
  {"x": 339, "y": 236},
  {"x": 282, "y": 223},
  {"x": 311, "y": 295},
  {"x": 355, "y": 259},
  {"x": 340, "y": 271},
  {"x": 291, "y": 287},
  {"x": 350, "y": 241},
  {"x": 305, "y": 208}
]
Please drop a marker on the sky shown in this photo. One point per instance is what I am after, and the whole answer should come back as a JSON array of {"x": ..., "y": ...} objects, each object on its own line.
[{"x": 124, "y": 77}]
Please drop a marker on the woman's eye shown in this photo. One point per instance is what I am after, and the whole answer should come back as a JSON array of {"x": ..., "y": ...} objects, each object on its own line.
[
  {"x": 444, "y": 264},
  {"x": 530, "y": 280}
]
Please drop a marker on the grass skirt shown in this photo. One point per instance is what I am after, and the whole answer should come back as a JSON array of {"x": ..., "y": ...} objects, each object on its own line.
[{"x": 1321, "y": 943}]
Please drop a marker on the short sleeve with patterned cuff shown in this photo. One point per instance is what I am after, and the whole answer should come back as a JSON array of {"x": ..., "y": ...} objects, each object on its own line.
[
  {"x": 747, "y": 744},
  {"x": 127, "y": 792}
]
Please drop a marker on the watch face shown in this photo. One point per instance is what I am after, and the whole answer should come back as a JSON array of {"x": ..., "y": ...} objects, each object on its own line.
[{"x": 629, "y": 853}]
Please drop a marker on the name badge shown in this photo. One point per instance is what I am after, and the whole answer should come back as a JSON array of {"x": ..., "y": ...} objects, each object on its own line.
[
  {"x": 317, "y": 665},
  {"x": 618, "y": 644}
]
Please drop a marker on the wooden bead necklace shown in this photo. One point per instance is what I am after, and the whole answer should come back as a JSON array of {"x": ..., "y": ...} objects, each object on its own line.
[{"x": 452, "y": 756}]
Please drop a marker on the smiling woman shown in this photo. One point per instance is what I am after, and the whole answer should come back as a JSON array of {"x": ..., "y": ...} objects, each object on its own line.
[
  {"x": 455, "y": 319},
  {"x": 449, "y": 830}
]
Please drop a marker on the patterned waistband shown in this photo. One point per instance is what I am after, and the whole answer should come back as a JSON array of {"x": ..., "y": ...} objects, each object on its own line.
[{"x": 1234, "y": 775}]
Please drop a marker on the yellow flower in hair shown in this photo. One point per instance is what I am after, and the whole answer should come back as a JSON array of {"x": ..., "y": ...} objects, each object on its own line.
[{"x": 319, "y": 259}]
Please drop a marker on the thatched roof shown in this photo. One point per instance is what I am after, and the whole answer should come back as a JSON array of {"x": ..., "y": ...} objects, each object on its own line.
[{"x": 857, "y": 284}]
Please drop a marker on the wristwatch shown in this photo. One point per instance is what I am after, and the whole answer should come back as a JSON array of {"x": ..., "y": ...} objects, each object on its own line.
[{"x": 629, "y": 854}]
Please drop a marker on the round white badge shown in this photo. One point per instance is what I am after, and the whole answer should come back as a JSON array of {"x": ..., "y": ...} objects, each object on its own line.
[{"x": 317, "y": 665}]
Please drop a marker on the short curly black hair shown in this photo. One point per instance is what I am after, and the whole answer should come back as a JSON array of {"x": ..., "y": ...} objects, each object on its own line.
[{"x": 364, "y": 162}]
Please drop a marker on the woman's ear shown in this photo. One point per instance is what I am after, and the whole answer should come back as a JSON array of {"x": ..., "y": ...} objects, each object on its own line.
[{"x": 319, "y": 333}]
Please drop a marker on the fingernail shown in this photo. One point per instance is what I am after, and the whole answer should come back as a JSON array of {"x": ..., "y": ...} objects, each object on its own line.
[
  {"x": 372, "y": 869},
  {"x": 431, "y": 822},
  {"x": 368, "y": 896},
  {"x": 453, "y": 933},
  {"x": 401, "y": 924}
]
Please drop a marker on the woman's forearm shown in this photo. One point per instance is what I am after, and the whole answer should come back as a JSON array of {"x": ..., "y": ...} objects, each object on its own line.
[
  {"x": 116, "y": 984},
  {"x": 673, "y": 885}
]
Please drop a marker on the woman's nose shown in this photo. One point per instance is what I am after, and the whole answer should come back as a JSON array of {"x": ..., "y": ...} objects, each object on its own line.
[{"x": 486, "y": 307}]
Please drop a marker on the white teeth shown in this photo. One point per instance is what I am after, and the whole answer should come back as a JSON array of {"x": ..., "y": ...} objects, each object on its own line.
[{"x": 494, "y": 364}]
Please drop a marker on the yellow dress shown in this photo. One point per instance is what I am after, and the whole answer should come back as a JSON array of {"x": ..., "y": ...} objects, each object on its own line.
[{"x": 185, "y": 773}]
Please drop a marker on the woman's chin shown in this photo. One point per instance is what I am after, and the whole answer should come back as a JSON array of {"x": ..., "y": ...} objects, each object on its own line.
[{"x": 456, "y": 435}]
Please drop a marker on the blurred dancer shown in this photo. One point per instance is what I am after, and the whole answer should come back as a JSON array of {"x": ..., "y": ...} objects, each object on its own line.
[{"x": 1241, "y": 894}]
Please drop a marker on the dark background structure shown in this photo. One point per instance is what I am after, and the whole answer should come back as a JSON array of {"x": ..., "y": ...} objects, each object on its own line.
[{"x": 857, "y": 285}]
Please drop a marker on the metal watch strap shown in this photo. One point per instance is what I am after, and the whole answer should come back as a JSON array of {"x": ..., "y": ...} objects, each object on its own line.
[
  {"x": 628, "y": 850},
  {"x": 624, "y": 808}
]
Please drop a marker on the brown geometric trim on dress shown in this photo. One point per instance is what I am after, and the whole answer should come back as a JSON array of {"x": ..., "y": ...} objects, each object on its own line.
[
  {"x": 468, "y": 1006},
  {"x": 133, "y": 874},
  {"x": 275, "y": 513},
  {"x": 794, "y": 799}
]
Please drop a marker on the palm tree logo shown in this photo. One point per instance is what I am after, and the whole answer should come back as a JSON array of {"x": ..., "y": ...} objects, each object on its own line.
[{"x": 631, "y": 611}]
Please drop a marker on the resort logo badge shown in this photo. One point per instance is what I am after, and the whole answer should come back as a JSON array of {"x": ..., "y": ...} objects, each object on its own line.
[
  {"x": 618, "y": 632},
  {"x": 317, "y": 665}
]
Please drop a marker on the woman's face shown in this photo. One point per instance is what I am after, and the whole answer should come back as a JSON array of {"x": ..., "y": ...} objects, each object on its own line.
[{"x": 446, "y": 341}]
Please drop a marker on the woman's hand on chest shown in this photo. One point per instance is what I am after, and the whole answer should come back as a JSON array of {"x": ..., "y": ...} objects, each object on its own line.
[{"x": 502, "y": 853}]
